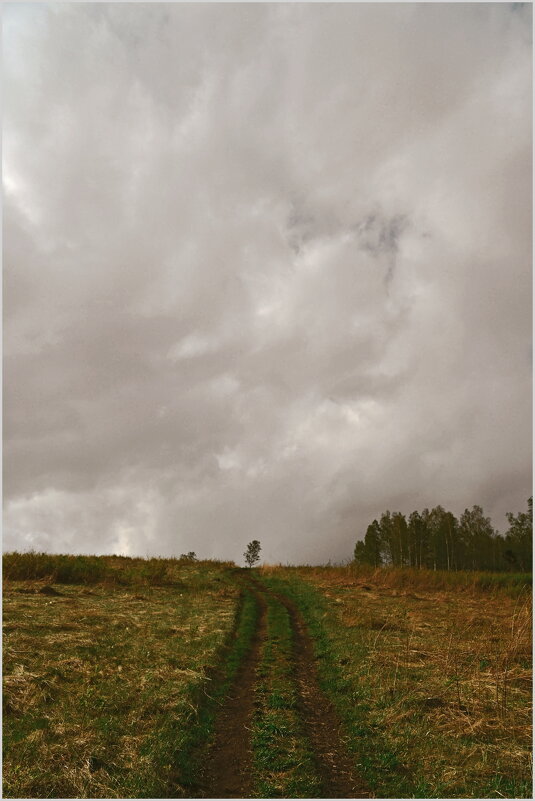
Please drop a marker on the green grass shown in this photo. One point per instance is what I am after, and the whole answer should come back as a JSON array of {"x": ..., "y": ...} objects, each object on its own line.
[
  {"x": 283, "y": 763},
  {"x": 433, "y": 688}
]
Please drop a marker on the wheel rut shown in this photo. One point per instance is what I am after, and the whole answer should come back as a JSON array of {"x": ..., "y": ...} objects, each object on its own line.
[{"x": 227, "y": 771}]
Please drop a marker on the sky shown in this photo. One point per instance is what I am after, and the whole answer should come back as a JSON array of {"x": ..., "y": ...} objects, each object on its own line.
[{"x": 267, "y": 272}]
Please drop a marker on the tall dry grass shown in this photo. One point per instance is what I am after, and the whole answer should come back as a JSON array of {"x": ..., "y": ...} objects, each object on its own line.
[
  {"x": 432, "y": 674},
  {"x": 86, "y": 569},
  {"x": 405, "y": 578}
]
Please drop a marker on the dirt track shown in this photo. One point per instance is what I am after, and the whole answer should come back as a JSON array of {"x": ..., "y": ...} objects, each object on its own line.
[
  {"x": 227, "y": 771},
  {"x": 228, "y": 768}
]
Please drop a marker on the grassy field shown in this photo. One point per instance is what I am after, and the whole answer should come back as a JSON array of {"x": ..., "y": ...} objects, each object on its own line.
[
  {"x": 116, "y": 672},
  {"x": 102, "y": 681},
  {"x": 431, "y": 675}
]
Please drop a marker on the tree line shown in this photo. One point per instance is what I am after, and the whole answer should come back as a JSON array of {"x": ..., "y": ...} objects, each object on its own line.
[{"x": 437, "y": 540}]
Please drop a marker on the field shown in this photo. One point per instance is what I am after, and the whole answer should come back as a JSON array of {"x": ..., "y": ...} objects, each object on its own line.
[{"x": 130, "y": 678}]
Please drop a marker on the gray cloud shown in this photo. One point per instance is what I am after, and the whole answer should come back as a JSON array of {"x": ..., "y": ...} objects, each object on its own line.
[{"x": 267, "y": 272}]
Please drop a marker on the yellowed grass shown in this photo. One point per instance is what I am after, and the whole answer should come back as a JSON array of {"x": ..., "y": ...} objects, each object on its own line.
[
  {"x": 446, "y": 674},
  {"x": 90, "y": 678}
]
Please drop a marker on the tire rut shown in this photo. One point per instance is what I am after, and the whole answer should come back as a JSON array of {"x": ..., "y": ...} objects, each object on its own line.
[{"x": 227, "y": 772}]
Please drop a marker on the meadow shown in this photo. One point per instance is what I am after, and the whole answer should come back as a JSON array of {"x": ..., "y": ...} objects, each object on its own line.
[
  {"x": 431, "y": 675},
  {"x": 132, "y": 678},
  {"x": 103, "y": 677}
]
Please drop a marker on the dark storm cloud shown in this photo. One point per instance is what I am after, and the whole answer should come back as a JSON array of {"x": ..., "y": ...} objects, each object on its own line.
[{"x": 267, "y": 272}]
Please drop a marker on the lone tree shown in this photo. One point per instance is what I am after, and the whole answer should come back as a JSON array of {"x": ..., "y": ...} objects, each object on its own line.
[{"x": 252, "y": 554}]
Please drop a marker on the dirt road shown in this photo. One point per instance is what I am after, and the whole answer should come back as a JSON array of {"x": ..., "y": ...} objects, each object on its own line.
[{"x": 228, "y": 768}]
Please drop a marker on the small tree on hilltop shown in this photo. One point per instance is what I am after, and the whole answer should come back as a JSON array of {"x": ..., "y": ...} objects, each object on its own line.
[{"x": 252, "y": 554}]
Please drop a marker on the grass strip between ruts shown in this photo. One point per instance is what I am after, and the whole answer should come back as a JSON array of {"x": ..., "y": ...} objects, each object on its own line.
[{"x": 283, "y": 763}]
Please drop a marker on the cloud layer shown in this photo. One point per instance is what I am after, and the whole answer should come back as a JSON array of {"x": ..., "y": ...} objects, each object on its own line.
[{"x": 267, "y": 272}]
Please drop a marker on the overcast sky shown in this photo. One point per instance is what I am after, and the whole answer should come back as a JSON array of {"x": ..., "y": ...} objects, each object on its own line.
[{"x": 267, "y": 272}]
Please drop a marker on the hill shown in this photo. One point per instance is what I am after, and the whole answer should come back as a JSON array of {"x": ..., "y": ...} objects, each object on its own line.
[{"x": 177, "y": 678}]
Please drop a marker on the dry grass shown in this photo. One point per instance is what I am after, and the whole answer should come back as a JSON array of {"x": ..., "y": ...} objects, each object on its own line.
[
  {"x": 93, "y": 677},
  {"x": 443, "y": 676},
  {"x": 406, "y": 578}
]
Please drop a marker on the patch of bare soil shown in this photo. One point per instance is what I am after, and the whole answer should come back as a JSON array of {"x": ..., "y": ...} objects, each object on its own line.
[
  {"x": 227, "y": 771},
  {"x": 320, "y": 719}
]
